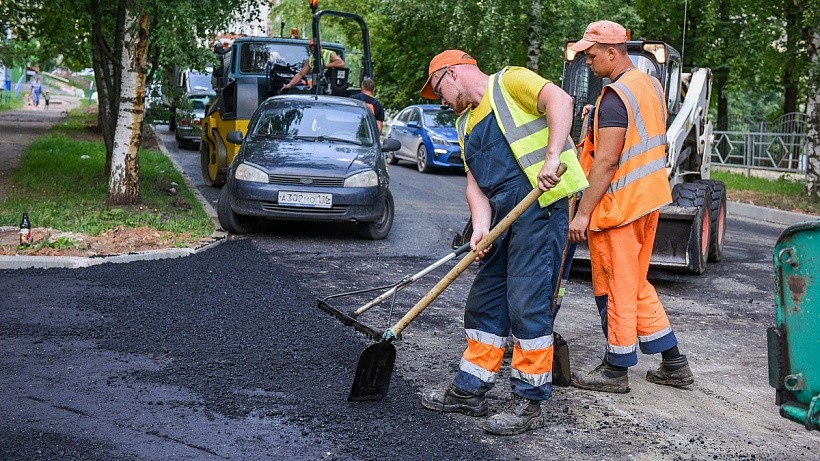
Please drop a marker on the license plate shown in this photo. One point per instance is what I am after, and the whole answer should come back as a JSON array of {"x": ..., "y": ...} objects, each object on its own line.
[{"x": 305, "y": 199}]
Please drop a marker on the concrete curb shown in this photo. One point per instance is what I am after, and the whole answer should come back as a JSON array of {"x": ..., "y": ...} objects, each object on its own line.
[
  {"x": 769, "y": 215},
  {"x": 75, "y": 262},
  {"x": 209, "y": 210}
]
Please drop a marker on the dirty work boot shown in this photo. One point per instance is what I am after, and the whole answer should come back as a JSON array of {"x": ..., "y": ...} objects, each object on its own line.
[
  {"x": 604, "y": 378},
  {"x": 674, "y": 372},
  {"x": 525, "y": 415},
  {"x": 454, "y": 400}
]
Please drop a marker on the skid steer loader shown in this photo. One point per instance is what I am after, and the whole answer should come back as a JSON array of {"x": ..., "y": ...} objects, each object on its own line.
[
  {"x": 251, "y": 70},
  {"x": 691, "y": 230}
]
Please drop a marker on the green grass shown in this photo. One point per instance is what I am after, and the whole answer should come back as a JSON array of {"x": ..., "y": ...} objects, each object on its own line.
[
  {"x": 736, "y": 181},
  {"x": 61, "y": 184},
  {"x": 9, "y": 102},
  {"x": 781, "y": 193}
]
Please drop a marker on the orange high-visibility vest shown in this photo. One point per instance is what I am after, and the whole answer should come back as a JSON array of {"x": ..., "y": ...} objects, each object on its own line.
[{"x": 640, "y": 184}]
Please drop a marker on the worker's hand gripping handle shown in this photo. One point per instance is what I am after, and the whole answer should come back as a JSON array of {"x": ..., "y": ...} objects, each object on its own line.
[{"x": 465, "y": 262}]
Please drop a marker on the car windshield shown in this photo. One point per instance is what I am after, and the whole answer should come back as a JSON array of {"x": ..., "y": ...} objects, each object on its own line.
[
  {"x": 255, "y": 58},
  {"x": 315, "y": 122},
  {"x": 199, "y": 82},
  {"x": 440, "y": 118},
  {"x": 199, "y": 103}
]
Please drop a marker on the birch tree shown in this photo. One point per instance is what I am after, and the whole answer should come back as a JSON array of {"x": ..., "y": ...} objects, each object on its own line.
[
  {"x": 123, "y": 184},
  {"x": 813, "y": 116}
]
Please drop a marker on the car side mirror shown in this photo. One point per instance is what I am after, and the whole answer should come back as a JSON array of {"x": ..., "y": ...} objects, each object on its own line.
[
  {"x": 390, "y": 145},
  {"x": 413, "y": 124},
  {"x": 234, "y": 137}
]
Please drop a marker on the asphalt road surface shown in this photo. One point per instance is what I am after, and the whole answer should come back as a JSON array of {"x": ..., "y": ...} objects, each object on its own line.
[{"x": 225, "y": 355}]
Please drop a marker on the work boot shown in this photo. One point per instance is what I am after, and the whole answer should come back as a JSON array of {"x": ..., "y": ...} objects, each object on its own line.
[
  {"x": 604, "y": 378},
  {"x": 454, "y": 400},
  {"x": 674, "y": 372},
  {"x": 525, "y": 415}
]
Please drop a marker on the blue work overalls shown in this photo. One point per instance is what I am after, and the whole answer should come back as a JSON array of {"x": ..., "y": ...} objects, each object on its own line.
[{"x": 513, "y": 288}]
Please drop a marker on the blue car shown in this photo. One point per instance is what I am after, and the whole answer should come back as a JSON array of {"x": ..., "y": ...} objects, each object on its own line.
[{"x": 427, "y": 135}]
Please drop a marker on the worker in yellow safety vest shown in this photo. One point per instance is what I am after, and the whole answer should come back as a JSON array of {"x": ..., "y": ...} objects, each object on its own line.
[
  {"x": 514, "y": 132},
  {"x": 618, "y": 214},
  {"x": 330, "y": 60}
]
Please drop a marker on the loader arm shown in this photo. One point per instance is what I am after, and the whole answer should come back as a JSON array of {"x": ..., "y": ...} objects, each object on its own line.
[{"x": 689, "y": 136}]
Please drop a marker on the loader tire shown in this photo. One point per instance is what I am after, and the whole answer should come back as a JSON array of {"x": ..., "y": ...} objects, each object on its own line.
[
  {"x": 717, "y": 218},
  {"x": 694, "y": 195}
]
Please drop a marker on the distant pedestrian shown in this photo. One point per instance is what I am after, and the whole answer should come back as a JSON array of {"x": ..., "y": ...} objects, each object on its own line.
[
  {"x": 368, "y": 86},
  {"x": 36, "y": 89},
  {"x": 46, "y": 98}
]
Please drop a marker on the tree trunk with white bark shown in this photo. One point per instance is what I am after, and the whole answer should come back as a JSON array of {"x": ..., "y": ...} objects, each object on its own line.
[
  {"x": 534, "y": 36},
  {"x": 123, "y": 185},
  {"x": 813, "y": 117}
]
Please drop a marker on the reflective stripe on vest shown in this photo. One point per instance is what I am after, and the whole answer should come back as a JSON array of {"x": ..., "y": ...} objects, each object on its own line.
[
  {"x": 528, "y": 134},
  {"x": 640, "y": 184},
  {"x": 325, "y": 58}
]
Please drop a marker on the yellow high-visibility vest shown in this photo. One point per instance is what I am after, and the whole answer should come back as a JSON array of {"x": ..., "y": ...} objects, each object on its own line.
[{"x": 527, "y": 134}]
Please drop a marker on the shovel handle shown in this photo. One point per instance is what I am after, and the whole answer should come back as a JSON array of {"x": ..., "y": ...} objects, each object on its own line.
[{"x": 465, "y": 262}]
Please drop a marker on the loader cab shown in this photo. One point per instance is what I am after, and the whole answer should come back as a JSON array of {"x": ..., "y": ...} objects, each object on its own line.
[{"x": 655, "y": 58}]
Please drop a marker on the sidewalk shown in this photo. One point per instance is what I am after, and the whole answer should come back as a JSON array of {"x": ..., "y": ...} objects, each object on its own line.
[{"x": 18, "y": 128}]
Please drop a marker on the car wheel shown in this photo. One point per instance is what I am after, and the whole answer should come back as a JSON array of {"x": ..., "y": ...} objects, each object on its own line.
[
  {"x": 391, "y": 158},
  {"x": 232, "y": 222},
  {"x": 379, "y": 229},
  {"x": 421, "y": 160}
]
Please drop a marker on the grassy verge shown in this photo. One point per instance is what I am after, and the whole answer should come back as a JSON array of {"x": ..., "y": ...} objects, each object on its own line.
[
  {"x": 780, "y": 193},
  {"x": 8, "y": 102},
  {"x": 60, "y": 183}
]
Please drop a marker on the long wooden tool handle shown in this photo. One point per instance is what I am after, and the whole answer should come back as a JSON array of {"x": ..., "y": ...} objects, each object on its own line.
[{"x": 465, "y": 262}]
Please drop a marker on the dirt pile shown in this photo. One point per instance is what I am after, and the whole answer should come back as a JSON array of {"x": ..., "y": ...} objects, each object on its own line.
[{"x": 121, "y": 240}]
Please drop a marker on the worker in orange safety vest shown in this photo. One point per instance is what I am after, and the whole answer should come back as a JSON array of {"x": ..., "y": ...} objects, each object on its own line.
[{"x": 618, "y": 214}]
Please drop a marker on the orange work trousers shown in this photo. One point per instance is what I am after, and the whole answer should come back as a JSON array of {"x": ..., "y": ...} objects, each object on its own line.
[{"x": 630, "y": 310}]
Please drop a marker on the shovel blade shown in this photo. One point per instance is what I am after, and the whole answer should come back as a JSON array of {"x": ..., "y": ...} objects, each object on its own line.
[
  {"x": 561, "y": 374},
  {"x": 372, "y": 379}
]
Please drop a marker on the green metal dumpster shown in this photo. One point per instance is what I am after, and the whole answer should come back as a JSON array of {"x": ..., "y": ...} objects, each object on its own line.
[{"x": 794, "y": 343}]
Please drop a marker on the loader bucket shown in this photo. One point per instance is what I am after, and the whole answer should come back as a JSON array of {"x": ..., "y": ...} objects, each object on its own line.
[
  {"x": 679, "y": 239},
  {"x": 681, "y": 242}
]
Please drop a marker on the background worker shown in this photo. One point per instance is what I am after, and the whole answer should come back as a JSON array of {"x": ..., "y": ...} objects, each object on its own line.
[
  {"x": 368, "y": 87},
  {"x": 513, "y": 288},
  {"x": 329, "y": 58},
  {"x": 618, "y": 214}
]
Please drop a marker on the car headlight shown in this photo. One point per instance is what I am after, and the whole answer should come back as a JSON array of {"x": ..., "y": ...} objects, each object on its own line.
[
  {"x": 245, "y": 172},
  {"x": 438, "y": 140},
  {"x": 367, "y": 178}
]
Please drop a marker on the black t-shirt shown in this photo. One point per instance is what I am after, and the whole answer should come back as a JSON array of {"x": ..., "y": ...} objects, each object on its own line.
[
  {"x": 612, "y": 111},
  {"x": 373, "y": 103}
]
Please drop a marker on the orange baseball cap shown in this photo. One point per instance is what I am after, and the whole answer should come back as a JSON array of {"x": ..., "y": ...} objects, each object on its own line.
[
  {"x": 440, "y": 61},
  {"x": 607, "y": 32}
]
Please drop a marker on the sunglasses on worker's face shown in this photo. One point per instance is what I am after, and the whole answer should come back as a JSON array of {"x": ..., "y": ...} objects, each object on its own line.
[{"x": 438, "y": 83}]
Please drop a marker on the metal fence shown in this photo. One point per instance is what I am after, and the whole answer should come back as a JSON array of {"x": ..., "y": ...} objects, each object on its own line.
[{"x": 778, "y": 146}]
